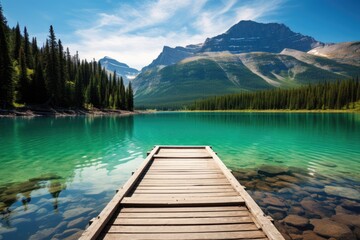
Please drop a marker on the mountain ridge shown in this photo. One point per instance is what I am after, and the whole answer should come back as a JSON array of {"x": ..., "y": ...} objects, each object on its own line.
[
  {"x": 215, "y": 68},
  {"x": 122, "y": 69}
]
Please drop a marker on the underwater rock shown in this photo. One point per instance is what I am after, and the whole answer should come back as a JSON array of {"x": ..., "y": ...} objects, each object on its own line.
[
  {"x": 351, "y": 205},
  {"x": 313, "y": 190},
  {"x": 328, "y": 228},
  {"x": 314, "y": 207},
  {"x": 271, "y": 171},
  {"x": 297, "y": 210},
  {"x": 343, "y": 192},
  {"x": 296, "y": 221},
  {"x": 274, "y": 201},
  {"x": 288, "y": 178},
  {"x": 263, "y": 187},
  {"x": 347, "y": 219},
  {"x": 310, "y": 235}
]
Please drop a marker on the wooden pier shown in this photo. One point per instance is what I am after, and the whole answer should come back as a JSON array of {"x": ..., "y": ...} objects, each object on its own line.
[{"x": 182, "y": 192}]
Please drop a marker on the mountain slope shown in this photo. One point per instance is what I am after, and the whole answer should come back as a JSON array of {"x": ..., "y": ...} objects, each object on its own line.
[
  {"x": 210, "y": 74},
  {"x": 170, "y": 56},
  {"x": 344, "y": 70},
  {"x": 347, "y": 52},
  {"x": 249, "y": 36},
  {"x": 121, "y": 69}
]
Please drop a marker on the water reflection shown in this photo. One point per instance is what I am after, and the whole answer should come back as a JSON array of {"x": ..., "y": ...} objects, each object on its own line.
[{"x": 44, "y": 162}]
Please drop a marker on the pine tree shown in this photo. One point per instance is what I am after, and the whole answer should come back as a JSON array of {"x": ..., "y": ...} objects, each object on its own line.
[
  {"x": 27, "y": 53},
  {"x": 6, "y": 69},
  {"x": 39, "y": 91},
  {"x": 23, "y": 84},
  {"x": 129, "y": 98},
  {"x": 61, "y": 81},
  {"x": 52, "y": 66},
  {"x": 17, "y": 44}
]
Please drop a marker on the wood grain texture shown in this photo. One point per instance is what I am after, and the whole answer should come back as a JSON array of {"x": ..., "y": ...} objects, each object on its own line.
[{"x": 182, "y": 192}]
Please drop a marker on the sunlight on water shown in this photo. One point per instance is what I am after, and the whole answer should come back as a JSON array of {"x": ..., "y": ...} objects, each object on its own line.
[{"x": 58, "y": 173}]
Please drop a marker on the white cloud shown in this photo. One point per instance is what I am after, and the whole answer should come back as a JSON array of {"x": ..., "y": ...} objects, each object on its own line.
[{"x": 136, "y": 34}]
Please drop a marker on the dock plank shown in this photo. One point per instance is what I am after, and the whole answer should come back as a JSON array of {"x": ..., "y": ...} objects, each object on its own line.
[
  {"x": 192, "y": 236},
  {"x": 182, "y": 228},
  {"x": 182, "y": 192}
]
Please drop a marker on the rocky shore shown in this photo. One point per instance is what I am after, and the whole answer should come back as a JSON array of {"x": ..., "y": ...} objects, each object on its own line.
[
  {"x": 61, "y": 112},
  {"x": 305, "y": 207}
]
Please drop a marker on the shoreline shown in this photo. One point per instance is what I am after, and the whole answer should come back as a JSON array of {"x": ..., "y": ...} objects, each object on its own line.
[
  {"x": 30, "y": 112},
  {"x": 280, "y": 111}
]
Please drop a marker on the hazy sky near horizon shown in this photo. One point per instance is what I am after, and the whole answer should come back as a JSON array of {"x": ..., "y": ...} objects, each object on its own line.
[{"x": 135, "y": 31}]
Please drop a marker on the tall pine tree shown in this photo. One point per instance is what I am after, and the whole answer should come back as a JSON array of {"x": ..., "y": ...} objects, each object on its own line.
[{"x": 6, "y": 69}]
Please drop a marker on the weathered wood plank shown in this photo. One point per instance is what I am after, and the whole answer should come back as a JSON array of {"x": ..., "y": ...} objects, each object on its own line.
[
  {"x": 192, "y": 236},
  {"x": 184, "y": 187},
  {"x": 181, "y": 221},
  {"x": 181, "y": 229},
  {"x": 169, "y": 191},
  {"x": 209, "y": 201},
  {"x": 185, "y": 209},
  {"x": 184, "y": 214},
  {"x": 190, "y": 176},
  {"x": 182, "y": 195}
]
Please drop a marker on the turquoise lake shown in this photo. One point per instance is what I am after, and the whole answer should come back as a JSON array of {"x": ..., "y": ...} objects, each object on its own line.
[{"x": 58, "y": 173}]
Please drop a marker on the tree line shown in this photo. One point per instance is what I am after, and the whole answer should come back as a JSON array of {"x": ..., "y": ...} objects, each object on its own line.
[
  {"x": 334, "y": 95},
  {"x": 51, "y": 75}
]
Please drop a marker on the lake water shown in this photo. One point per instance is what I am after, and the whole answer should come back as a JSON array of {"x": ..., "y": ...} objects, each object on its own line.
[{"x": 58, "y": 173}]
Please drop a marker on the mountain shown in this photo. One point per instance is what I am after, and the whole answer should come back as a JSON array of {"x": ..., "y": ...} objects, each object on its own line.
[
  {"x": 250, "y": 56},
  {"x": 170, "y": 56},
  {"x": 347, "y": 52},
  {"x": 217, "y": 73},
  {"x": 122, "y": 69},
  {"x": 250, "y": 36}
]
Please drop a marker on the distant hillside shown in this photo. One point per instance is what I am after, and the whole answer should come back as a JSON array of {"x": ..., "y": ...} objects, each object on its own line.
[
  {"x": 122, "y": 69},
  {"x": 347, "y": 52},
  {"x": 210, "y": 74}
]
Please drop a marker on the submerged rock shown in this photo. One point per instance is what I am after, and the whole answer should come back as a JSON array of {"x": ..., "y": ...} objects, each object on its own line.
[
  {"x": 310, "y": 235},
  {"x": 328, "y": 228},
  {"x": 343, "y": 192},
  {"x": 315, "y": 208},
  {"x": 288, "y": 178},
  {"x": 274, "y": 201},
  {"x": 263, "y": 187},
  {"x": 351, "y": 205},
  {"x": 347, "y": 219},
  {"x": 296, "y": 221},
  {"x": 271, "y": 171}
]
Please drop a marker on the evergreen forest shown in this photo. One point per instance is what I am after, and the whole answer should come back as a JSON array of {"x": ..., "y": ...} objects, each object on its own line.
[
  {"x": 51, "y": 76},
  {"x": 335, "y": 95}
]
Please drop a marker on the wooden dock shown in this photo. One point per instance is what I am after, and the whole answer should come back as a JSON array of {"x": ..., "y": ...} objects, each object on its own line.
[{"x": 182, "y": 192}]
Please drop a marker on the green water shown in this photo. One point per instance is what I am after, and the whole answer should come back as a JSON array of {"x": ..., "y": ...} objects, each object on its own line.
[{"x": 56, "y": 170}]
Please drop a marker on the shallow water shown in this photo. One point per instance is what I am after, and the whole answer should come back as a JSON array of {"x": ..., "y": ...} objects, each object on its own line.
[{"x": 58, "y": 173}]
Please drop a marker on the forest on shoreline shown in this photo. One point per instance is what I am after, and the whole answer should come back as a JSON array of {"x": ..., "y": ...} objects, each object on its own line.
[
  {"x": 322, "y": 96},
  {"x": 51, "y": 76}
]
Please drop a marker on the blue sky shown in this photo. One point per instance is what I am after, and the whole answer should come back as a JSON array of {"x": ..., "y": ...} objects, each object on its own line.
[{"x": 135, "y": 31}]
